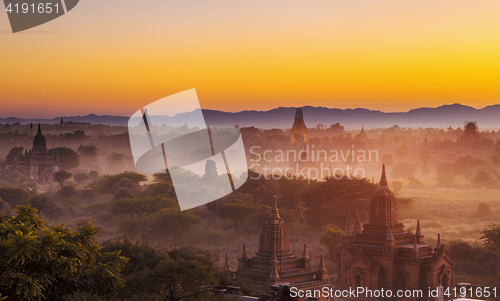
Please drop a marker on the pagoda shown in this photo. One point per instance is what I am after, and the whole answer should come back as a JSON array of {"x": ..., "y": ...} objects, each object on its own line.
[
  {"x": 299, "y": 127},
  {"x": 275, "y": 263},
  {"x": 380, "y": 254},
  {"x": 362, "y": 133},
  {"x": 38, "y": 164}
]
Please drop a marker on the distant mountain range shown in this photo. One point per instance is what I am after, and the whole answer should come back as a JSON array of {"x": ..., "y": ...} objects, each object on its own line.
[
  {"x": 91, "y": 118},
  {"x": 447, "y": 115}
]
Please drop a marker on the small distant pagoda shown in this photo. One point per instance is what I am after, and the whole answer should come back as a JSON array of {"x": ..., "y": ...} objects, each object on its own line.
[
  {"x": 275, "y": 262},
  {"x": 470, "y": 134},
  {"x": 61, "y": 123},
  {"x": 426, "y": 141},
  {"x": 299, "y": 127},
  {"x": 362, "y": 133}
]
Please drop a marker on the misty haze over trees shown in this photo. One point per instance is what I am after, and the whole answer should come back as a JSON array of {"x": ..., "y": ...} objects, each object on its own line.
[{"x": 450, "y": 185}]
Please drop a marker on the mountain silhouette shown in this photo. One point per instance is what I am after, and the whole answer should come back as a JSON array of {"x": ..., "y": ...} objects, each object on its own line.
[{"x": 443, "y": 116}]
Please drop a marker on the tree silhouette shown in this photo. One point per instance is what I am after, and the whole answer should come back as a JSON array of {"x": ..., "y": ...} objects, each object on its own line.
[
  {"x": 15, "y": 153},
  {"x": 88, "y": 151},
  {"x": 330, "y": 238},
  {"x": 40, "y": 202},
  {"x": 81, "y": 177},
  {"x": 41, "y": 262},
  {"x": 61, "y": 176},
  {"x": 116, "y": 161},
  {"x": 69, "y": 158},
  {"x": 237, "y": 212},
  {"x": 332, "y": 201}
]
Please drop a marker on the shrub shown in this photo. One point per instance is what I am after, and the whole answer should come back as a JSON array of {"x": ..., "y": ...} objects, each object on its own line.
[{"x": 67, "y": 191}]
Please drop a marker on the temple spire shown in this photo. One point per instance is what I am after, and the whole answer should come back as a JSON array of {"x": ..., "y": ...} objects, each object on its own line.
[
  {"x": 244, "y": 253},
  {"x": 439, "y": 241},
  {"x": 299, "y": 127},
  {"x": 226, "y": 265},
  {"x": 322, "y": 264},
  {"x": 417, "y": 232},
  {"x": 274, "y": 211},
  {"x": 304, "y": 254},
  {"x": 39, "y": 129},
  {"x": 383, "y": 179},
  {"x": 415, "y": 248},
  {"x": 383, "y": 206},
  {"x": 274, "y": 236}
]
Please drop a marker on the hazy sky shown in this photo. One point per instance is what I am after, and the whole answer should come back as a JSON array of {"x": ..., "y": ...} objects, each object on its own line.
[{"x": 115, "y": 56}]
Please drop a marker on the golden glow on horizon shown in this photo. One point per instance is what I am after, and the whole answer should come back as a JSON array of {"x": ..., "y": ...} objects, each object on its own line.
[{"x": 390, "y": 60}]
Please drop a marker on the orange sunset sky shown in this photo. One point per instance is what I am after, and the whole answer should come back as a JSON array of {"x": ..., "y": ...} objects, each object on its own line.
[{"x": 115, "y": 56}]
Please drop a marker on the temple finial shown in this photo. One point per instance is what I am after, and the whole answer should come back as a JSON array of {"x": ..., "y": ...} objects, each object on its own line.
[
  {"x": 244, "y": 253},
  {"x": 439, "y": 241},
  {"x": 322, "y": 264},
  {"x": 383, "y": 179},
  {"x": 418, "y": 232},
  {"x": 226, "y": 265},
  {"x": 305, "y": 255},
  {"x": 39, "y": 129},
  {"x": 274, "y": 211}
]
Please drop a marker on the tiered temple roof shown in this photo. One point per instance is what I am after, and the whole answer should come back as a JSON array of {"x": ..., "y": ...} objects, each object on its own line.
[
  {"x": 384, "y": 255},
  {"x": 275, "y": 263},
  {"x": 299, "y": 127}
]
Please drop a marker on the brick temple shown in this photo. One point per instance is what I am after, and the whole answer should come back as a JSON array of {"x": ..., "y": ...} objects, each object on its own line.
[
  {"x": 38, "y": 164},
  {"x": 275, "y": 263},
  {"x": 380, "y": 254}
]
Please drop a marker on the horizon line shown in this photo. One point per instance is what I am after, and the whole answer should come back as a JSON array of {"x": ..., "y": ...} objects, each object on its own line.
[{"x": 249, "y": 110}]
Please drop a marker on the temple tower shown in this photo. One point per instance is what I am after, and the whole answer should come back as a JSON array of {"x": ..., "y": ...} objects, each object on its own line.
[
  {"x": 39, "y": 143},
  {"x": 299, "y": 127},
  {"x": 383, "y": 255},
  {"x": 275, "y": 263},
  {"x": 362, "y": 133},
  {"x": 38, "y": 164}
]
